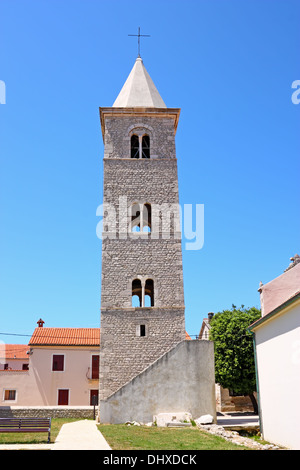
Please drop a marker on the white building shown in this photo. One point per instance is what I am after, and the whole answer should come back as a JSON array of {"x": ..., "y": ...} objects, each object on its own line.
[{"x": 277, "y": 348}]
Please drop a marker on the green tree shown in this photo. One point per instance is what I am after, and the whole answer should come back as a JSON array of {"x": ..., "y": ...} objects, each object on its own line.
[{"x": 234, "y": 355}]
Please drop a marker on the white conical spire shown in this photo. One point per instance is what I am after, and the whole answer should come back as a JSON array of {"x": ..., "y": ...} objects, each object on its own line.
[{"x": 139, "y": 90}]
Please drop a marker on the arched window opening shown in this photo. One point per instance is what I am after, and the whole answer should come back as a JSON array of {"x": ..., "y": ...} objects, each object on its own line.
[
  {"x": 145, "y": 146},
  {"x": 135, "y": 218},
  {"x": 149, "y": 293},
  {"x": 140, "y": 217},
  {"x": 147, "y": 218},
  {"x": 142, "y": 293},
  {"x": 135, "y": 146},
  {"x": 136, "y": 293}
]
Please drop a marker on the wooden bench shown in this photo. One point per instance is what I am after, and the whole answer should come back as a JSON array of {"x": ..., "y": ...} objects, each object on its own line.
[{"x": 26, "y": 425}]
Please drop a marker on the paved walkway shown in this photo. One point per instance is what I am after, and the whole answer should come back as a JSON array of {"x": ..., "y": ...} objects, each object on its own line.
[{"x": 79, "y": 435}]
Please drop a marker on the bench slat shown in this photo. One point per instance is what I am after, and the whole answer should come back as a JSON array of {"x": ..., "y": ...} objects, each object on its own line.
[
  {"x": 25, "y": 430},
  {"x": 24, "y": 421},
  {"x": 26, "y": 425}
]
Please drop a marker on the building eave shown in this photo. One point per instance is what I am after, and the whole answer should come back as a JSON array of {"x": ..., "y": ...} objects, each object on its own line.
[
  {"x": 274, "y": 312},
  {"x": 139, "y": 111}
]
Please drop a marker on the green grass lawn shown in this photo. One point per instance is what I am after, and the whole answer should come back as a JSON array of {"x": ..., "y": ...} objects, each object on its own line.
[
  {"x": 35, "y": 438},
  {"x": 122, "y": 437}
]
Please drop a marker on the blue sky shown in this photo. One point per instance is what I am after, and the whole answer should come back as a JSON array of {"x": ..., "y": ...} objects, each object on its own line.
[{"x": 228, "y": 64}]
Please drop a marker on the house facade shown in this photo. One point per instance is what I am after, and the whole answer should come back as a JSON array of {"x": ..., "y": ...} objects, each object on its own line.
[
  {"x": 63, "y": 369},
  {"x": 277, "y": 348}
]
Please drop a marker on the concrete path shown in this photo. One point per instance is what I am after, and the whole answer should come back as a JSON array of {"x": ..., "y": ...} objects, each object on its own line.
[{"x": 79, "y": 435}]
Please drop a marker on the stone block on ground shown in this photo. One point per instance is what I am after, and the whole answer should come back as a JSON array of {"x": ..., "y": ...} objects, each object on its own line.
[
  {"x": 167, "y": 419},
  {"x": 205, "y": 419}
]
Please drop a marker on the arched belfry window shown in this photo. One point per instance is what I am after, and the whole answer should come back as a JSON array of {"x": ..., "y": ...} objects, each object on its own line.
[
  {"x": 145, "y": 146},
  {"x": 146, "y": 218},
  {"x": 136, "y": 293},
  {"x": 140, "y": 217},
  {"x": 142, "y": 293},
  {"x": 140, "y": 145},
  {"x": 135, "y": 217},
  {"x": 149, "y": 293},
  {"x": 135, "y": 146}
]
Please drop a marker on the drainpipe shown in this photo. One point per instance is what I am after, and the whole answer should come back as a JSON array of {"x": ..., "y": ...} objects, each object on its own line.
[{"x": 257, "y": 382}]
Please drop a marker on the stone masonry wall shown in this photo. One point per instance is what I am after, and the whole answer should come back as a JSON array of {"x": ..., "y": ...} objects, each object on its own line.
[
  {"x": 154, "y": 181},
  {"x": 123, "y": 353},
  {"x": 157, "y": 254},
  {"x": 159, "y": 260},
  {"x": 118, "y": 130},
  {"x": 84, "y": 412}
]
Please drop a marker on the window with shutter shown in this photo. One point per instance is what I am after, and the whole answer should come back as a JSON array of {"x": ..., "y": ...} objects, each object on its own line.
[{"x": 58, "y": 362}]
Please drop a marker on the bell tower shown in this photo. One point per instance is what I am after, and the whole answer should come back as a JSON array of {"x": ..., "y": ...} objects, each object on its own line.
[{"x": 142, "y": 299}]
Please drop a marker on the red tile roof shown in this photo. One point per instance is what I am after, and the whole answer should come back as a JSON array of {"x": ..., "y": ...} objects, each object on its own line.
[
  {"x": 14, "y": 351},
  {"x": 66, "y": 337}
]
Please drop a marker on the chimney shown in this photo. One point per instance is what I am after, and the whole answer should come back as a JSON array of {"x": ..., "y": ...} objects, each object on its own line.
[
  {"x": 210, "y": 315},
  {"x": 40, "y": 323}
]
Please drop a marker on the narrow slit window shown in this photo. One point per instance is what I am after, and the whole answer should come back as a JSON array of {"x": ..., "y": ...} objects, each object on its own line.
[
  {"x": 95, "y": 366},
  {"x": 135, "y": 146},
  {"x": 142, "y": 330},
  {"x": 145, "y": 146}
]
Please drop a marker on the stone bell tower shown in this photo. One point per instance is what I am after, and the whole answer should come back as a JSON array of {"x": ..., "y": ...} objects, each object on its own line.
[{"x": 142, "y": 300}]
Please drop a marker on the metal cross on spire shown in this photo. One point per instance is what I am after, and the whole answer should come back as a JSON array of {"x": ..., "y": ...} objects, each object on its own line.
[{"x": 139, "y": 35}]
